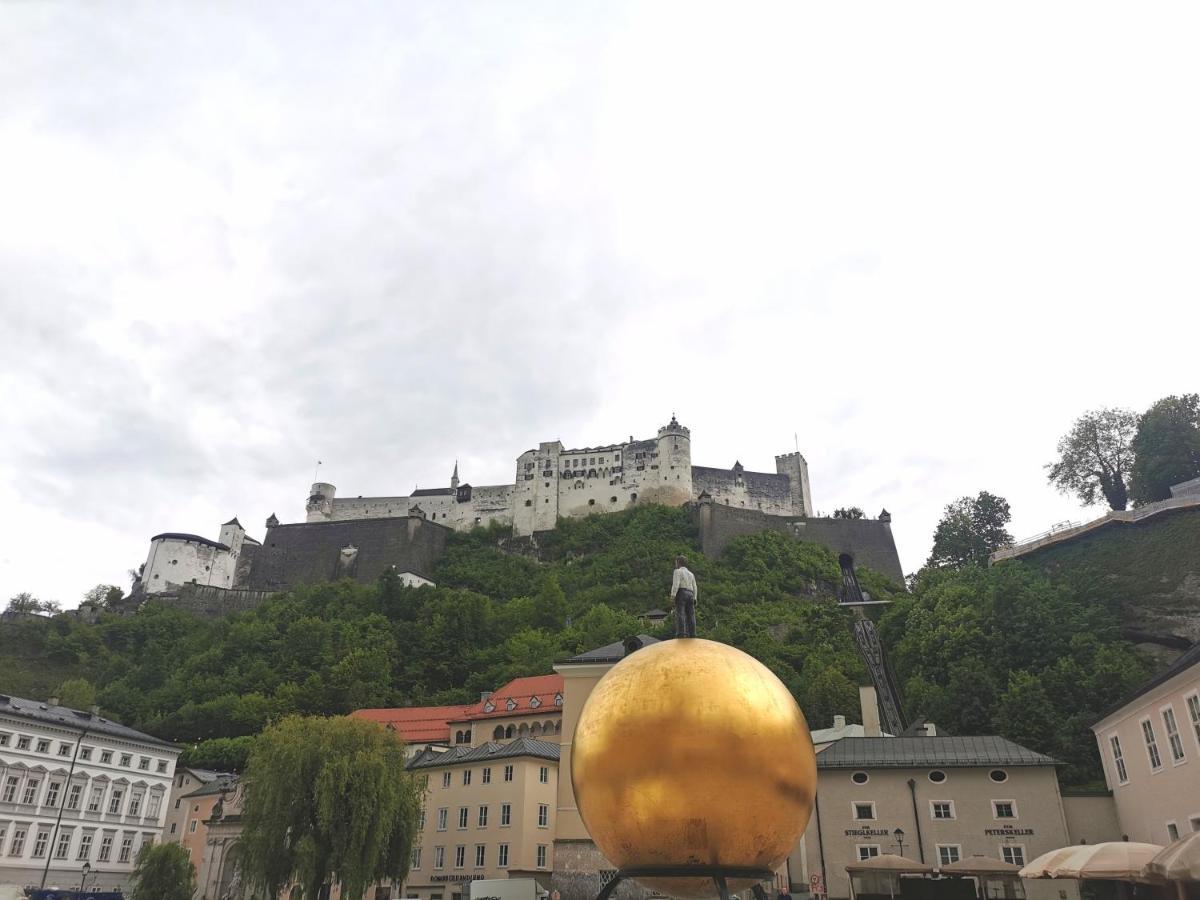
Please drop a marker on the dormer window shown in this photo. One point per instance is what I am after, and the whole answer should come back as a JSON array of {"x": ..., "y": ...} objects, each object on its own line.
[
  {"x": 489, "y": 707},
  {"x": 511, "y": 704},
  {"x": 535, "y": 703},
  {"x": 558, "y": 699}
]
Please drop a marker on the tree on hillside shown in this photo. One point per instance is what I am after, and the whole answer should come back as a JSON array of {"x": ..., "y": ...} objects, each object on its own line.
[
  {"x": 1095, "y": 457},
  {"x": 352, "y": 825},
  {"x": 550, "y": 605},
  {"x": 1166, "y": 448},
  {"x": 971, "y": 529},
  {"x": 77, "y": 693},
  {"x": 104, "y": 595},
  {"x": 163, "y": 872},
  {"x": 848, "y": 512}
]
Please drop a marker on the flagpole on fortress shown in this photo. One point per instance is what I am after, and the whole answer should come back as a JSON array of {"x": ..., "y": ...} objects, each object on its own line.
[{"x": 316, "y": 469}]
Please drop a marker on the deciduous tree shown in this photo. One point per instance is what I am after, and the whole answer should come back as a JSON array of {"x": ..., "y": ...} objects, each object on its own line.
[
  {"x": 328, "y": 801},
  {"x": 971, "y": 529},
  {"x": 163, "y": 872},
  {"x": 848, "y": 512},
  {"x": 1166, "y": 448},
  {"x": 1095, "y": 457}
]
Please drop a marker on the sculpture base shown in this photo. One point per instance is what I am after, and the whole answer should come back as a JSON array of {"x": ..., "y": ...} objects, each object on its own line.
[{"x": 720, "y": 875}]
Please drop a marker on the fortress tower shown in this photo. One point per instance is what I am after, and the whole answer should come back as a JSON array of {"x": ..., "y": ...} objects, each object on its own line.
[
  {"x": 674, "y": 464},
  {"x": 795, "y": 468},
  {"x": 320, "y": 502}
]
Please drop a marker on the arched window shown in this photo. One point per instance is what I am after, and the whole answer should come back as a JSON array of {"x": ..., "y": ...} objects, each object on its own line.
[
  {"x": 536, "y": 730},
  {"x": 558, "y": 727},
  {"x": 508, "y": 732},
  {"x": 523, "y": 730},
  {"x": 498, "y": 734},
  {"x": 548, "y": 727}
]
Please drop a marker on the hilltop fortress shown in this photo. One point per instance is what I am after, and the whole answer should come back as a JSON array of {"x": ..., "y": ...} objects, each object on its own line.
[
  {"x": 362, "y": 537},
  {"x": 553, "y": 482}
]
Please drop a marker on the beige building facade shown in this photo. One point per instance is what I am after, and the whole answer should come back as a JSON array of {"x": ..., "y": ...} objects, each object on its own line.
[
  {"x": 932, "y": 799},
  {"x": 1150, "y": 745},
  {"x": 490, "y": 811}
]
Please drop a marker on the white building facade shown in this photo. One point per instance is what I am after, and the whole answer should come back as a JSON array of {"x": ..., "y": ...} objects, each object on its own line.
[{"x": 76, "y": 788}]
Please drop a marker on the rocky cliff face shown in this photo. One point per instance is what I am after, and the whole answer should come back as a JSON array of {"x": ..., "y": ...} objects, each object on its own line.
[{"x": 1149, "y": 570}]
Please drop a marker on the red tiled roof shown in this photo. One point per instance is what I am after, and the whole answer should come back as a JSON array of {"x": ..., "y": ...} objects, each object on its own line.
[
  {"x": 532, "y": 696},
  {"x": 417, "y": 724}
]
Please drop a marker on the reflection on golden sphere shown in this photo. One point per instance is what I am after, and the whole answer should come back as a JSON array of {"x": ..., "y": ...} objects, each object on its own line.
[{"x": 690, "y": 752}]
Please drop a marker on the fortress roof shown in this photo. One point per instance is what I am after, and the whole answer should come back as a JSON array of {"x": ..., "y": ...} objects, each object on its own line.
[
  {"x": 432, "y": 492},
  {"x": 180, "y": 536}
]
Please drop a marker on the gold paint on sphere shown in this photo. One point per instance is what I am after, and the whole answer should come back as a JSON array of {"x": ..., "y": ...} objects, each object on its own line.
[{"x": 691, "y": 752}]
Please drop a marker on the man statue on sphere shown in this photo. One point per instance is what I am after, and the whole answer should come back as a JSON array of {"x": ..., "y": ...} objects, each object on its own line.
[{"x": 684, "y": 593}]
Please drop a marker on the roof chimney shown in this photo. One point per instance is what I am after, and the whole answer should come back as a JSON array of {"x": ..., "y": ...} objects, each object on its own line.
[
  {"x": 868, "y": 700},
  {"x": 839, "y": 722},
  {"x": 930, "y": 730},
  {"x": 53, "y": 701},
  {"x": 96, "y": 711},
  {"x": 483, "y": 696}
]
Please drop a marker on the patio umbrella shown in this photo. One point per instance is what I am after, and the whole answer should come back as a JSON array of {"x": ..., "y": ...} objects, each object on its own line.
[
  {"x": 980, "y": 865},
  {"x": 890, "y": 862},
  {"x": 1040, "y": 867},
  {"x": 1179, "y": 861},
  {"x": 1111, "y": 860}
]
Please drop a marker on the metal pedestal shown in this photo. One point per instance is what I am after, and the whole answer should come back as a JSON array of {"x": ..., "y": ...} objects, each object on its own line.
[{"x": 719, "y": 874}]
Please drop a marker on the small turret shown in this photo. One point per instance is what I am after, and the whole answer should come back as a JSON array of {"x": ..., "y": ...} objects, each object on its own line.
[
  {"x": 454, "y": 477},
  {"x": 320, "y": 502},
  {"x": 272, "y": 521},
  {"x": 232, "y": 535}
]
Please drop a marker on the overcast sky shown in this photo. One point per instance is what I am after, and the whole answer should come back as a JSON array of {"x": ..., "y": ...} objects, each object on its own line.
[{"x": 238, "y": 238}]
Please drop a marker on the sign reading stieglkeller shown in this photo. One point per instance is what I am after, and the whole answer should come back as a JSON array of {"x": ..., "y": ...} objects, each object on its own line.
[
  {"x": 1006, "y": 831},
  {"x": 866, "y": 832}
]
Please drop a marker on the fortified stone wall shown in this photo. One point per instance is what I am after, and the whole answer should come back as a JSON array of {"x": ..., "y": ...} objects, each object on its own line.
[
  {"x": 310, "y": 552},
  {"x": 214, "y": 602},
  {"x": 868, "y": 542}
]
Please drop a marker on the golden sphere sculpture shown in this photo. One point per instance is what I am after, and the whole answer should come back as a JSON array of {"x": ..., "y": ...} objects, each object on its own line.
[{"x": 691, "y": 752}]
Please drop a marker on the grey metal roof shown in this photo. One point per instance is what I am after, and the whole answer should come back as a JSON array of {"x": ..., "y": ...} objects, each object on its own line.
[
  {"x": 432, "y": 492},
  {"x": 220, "y": 785},
  {"x": 74, "y": 719},
  {"x": 912, "y": 752},
  {"x": 181, "y": 536},
  {"x": 430, "y": 759},
  {"x": 1184, "y": 662},
  {"x": 609, "y": 652}
]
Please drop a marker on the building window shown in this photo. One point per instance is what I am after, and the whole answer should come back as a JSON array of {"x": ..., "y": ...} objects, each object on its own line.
[
  {"x": 126, "y": 759},
  {"x": 541, "y": 856},
  {"x": 415, "y": 859},
  {"x": 96, "y": 799},
  {"x": 480, "y": 855},
  {"x": 114, "y": 803},
  {"x": 439, "y": 857},
  {"x": 948, "y": 853},
  {"x": 483, "y": 816},
  {"x": 1004, "y": 809},
  {"x": 23, "y": 742},
  {"x": 144, "y": 764},
  {"x": 1172, "y": 832},
  {"x": 65, "y": 749},
  {"x": 74, "y": 796},
  {"x": 941, "y": 809},
  {"x": 543, "y": 816},
  {"x": 172, "y": 828},
  {"x": 460, "y": 856},
  {"x": 505, "y": 815},
  {"x": 162, "y": 767},
  {"x": 1118, "y": 760},
  {"x": 421, "y": 819},
  {"x": 52, "y": 793},
  {"x": 4, "y": 739},
  {"x": 154, "y": 806},
  {"x": 462, "y": 818},
  {"x": 106, "y": 843},
  {"x": 18, "y": 841},
  {"x": 502, "y": 856},
  {"x": 192, "y": 827},
  {"x": 445, "y": 779},
  {"x": 1193, "y": 707},
  {"x": 443, "y": 818},
  {"x": 31, "y": 789},
  {"x": 998, "y": 775},
  {"x": 1014, "y": 854},
  {"x": 1174, "y": 740},
  {"x": 40, "y": 842},
  {"x": 85, "y": 846},
  {"x": 106, "y": 756},
  {"x": 508, "y": 773},
  {"x": 466, "y": 776},
  {"x": 135, "y": 803},
  {"x": 1151, "y": 745},
  {"x": 486, "y": 777},
  {"x": 85, "y": 753},
  {"x": 544, "y": 775},
  {"x": 860, "y": 777},
  {"x": 43, "y": 745},
  {"x": 10, "y": 789},
  {"x": 63, "y": 845},
  {"x": 866, "y": 851},
  {"x": 864, "y": 812},
  {"x": 937, "y": 776}
]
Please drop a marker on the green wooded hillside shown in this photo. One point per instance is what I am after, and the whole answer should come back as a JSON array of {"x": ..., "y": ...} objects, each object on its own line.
[{"x": 1001, "y": 650}]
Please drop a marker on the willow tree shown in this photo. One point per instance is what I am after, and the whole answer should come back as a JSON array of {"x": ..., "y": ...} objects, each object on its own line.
[
  {"x": 327, "y": 801},
  {"x": 163, "y": 872}
]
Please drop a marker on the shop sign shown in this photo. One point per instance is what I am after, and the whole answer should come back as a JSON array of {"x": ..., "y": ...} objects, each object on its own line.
[
  {"x": 866, "y": 832},
  {"x": 1006, "y": 831}
]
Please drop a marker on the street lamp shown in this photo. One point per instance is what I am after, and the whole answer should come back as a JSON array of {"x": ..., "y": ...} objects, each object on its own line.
[
  {"x": 87, "y": 868},
  {"x": 898, "y": 834}
]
